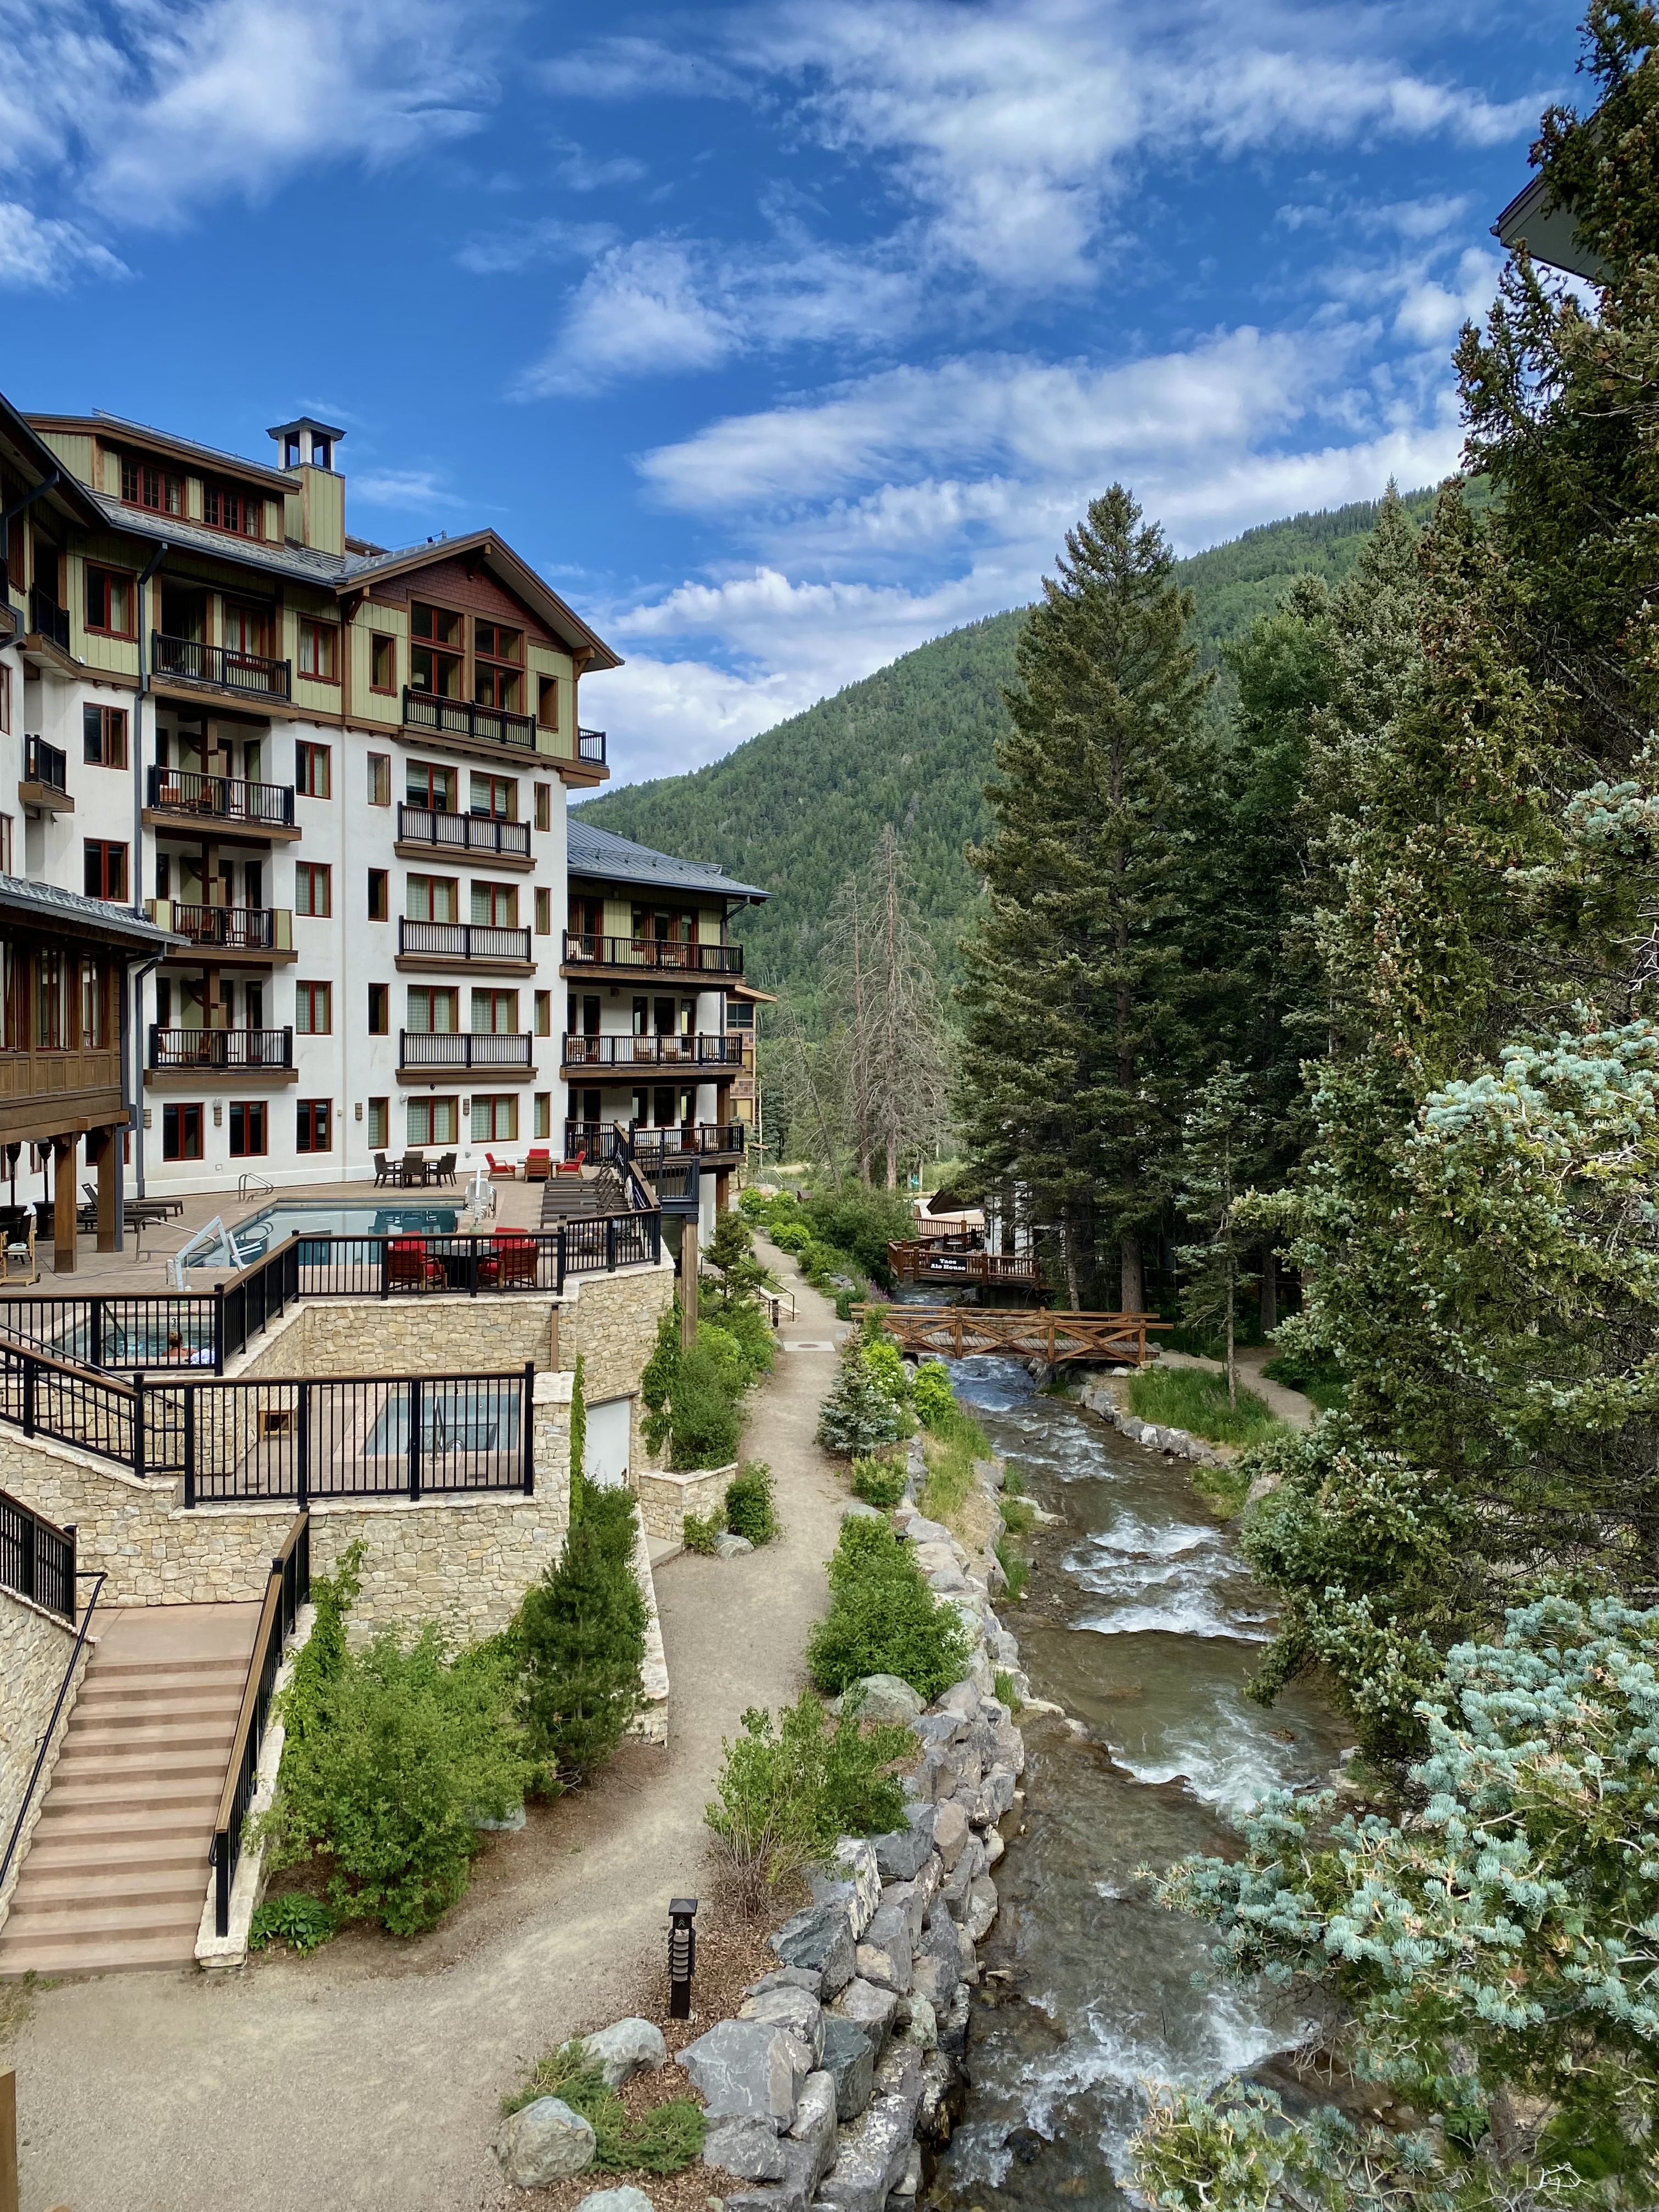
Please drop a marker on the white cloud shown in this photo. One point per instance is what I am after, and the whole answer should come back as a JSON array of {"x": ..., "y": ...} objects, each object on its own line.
[
  {"x": 504, "y": 252},
  {"x": 46, "y": 255},
  {"x": 583, "y": 173},
  {"x": 416, "y": 488}
]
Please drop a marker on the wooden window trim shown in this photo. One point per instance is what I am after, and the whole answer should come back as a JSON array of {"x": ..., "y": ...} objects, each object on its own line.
[
  {"x": 109, "y": 717},
  {"x": 220, "y": 486},
  {"x": 307, "y": 752},
  {"x": 311, "y": 996},
  {"x": 379, "y": 775},
  {"x": 316, "y": 871},
  {"x": 389, "y": 638},
  {"x": 164, "y": 478},
  {"x": 119, "y": 575},
  {"x": 323, "y": 629}
]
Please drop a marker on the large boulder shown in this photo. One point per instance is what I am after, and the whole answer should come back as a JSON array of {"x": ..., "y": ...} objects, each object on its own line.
[
  {"x": 981, "y": 1909},
  {"x": 748, "y": 2069},
  {"x": 850, "y": 1878},
  {"x": 793, "y": 2193},
  {"x": 821, "y": 1939},
  {"x": 787, "y": 2007},
  {"x": 815, "y": 2119},
  {"x": 898, "y": 2074},
  {"x": 910, "y": 1897},
  {"x": 935, "y": 2112},
  {"x": 962, "y": 1698},
  {"x": 871, "y": 2159},
  {"x": 728, "y": 1547},
  {"x": 882, "y": 1698},
  {"x": 923, "y": 2030},
  {"x": 950, "y": 1832},
  {"x": 543, "y": 2142},
  {"x": 788, "y": 1978},
  {"x": 626, "y": 2048},
  {"x": 900, "y": 1853},
  {"x": 749, "y": 2149},
  {"x": 884, "y": 1956},
  {"x": 849, "y": 2060},
  {"x": 870, "y": 2008}
]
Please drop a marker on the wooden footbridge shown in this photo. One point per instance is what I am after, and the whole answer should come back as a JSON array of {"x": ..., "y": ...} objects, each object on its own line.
[
  {"x": 956, "y": 1332},
  {"x": 953, "y": 1259}
]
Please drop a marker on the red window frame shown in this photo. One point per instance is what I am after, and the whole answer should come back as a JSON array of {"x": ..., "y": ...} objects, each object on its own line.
[
  {"x": 311, "y": 1000},
  {"x": 148, "y": 484},
  {"x": 109, "y": 748},
  {"x": 382, "y": 647},
  {"x": 250, "y": 1129},
  {"x": 313, "y": 769},
  {"x": 309, "y": 878},
  {"x": 181, "y": 1132},
  {"x": 106, "y": 867},
  {"x": 99, "y": 574},
  {"x": 316, "y": 633},
  {"x": 314, "y": 1125}
]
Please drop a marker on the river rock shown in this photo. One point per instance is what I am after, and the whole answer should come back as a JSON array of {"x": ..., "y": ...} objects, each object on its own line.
[
  {"x": 923, "y": 2028},
  {"x": 820, "y": 1939},
  {"x": 900, "y": 1853},
  {"x": 849, "y": 2060},
  {"x": 795, "y": 2009},
  {"x": 911, "y": 1899},
  {"x": 728, "y": 1547},
  {"x": 815, "y": 2119},
  {"x": 627, "y": 2047},
  {"x": 981, "y": 1909},
  {"x": 871, "y": 2007},
  {"x": 933, "y": 1776},
  {"x": 793, "y": 2194},
  {"x": 615, "y": 2199},
  {"x": 938, "y": 2086},
  {"x": 749, "y": 2149},
  {"x": 856, "y": 1509},
  {"x": 950, "y": 1832},
  {"x": 940, "y": 1728},
  {"x": 898, "y": 2075},
  {"x": 544, "y": 2142},
  {"x": 884, "y": 1956},
  {"x": 748, "y": 2069},
  {"x": 994, "y": 1846},
  {"x": 870, "y": 2156},
  {"x": 993, "y": 1473},
  {"x": 882, "y": 1698},
  {"x": 923, "y": 1531},
  {"x": 906, "y": 2189}
]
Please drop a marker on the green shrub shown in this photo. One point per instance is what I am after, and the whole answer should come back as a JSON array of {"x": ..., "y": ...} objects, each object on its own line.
[
  {"x": 698, "y": 1532},
  {"x": 932, "y": 1395},
  {"x": 1316, "y": 1375},
  {"x": 297, "y": 1918},
  {"x": 784, "y": 1796},
  {"x": 878, "y": 1482},
  {"x": 1015, "y": 1567},
  {"x": 396, "y": 1756},
  {"x": 691, "y": 1398},
  {"x": 860, "y": 1222},
  {"x": 858, "y": 1415},
  {"x": 1018, "y": 1517},
  {"x": 725, "y": 1357},
  {"x": 579, "y": 1418},
  {"x": 741, "y": 1319},
  {"x": 579, "y": 1638},
  {"x": 1195, "y": 1399},
  {"x": 792, "y": 1236},
  {"x": 1006, "y": 1692},
  {"x": 885, "y": 1363},
  {"x": 751, "y": 1505},
  {"x": 664, "y": 2140},
  {"x": 882, "y": 1618}
]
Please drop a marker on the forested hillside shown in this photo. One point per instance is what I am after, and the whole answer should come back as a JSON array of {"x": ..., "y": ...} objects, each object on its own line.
[{"x": 799, "y": 807}]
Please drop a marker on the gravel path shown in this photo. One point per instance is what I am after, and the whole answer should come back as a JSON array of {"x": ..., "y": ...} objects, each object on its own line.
[
  {"x": 369, "y": 2074},
  {"x": 1289, "y": 1405}
]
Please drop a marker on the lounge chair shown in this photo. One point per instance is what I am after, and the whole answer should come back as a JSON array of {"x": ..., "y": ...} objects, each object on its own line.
[{"x": 572, "y": 1167}]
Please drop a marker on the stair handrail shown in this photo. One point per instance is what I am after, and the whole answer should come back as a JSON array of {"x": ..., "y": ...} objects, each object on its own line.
[
  {"x": 287, "y": 1588},
  {"x": 97, "y": 1580}
]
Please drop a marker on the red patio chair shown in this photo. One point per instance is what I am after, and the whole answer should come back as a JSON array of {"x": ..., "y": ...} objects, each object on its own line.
[
  {"x": 408, "y": 1267},
  {"x": 515, "y": 1259}
]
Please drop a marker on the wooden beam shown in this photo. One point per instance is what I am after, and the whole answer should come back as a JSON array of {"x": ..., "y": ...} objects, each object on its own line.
[
  {"x": 9, "y": 2195},
  {"x": 63, "y": 1206},
  {"x": 104, "y": 1147}
]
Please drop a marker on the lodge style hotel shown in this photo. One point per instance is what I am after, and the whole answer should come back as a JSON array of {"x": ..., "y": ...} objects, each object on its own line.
[{"x": 286, "y": 875}]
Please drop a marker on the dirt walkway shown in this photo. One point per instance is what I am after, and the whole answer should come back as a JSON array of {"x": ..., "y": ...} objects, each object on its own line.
[{"x": 369, "y": 2075}]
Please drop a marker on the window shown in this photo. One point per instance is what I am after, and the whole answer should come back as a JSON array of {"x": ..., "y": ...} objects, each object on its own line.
[
  {"x": 495, "y": 906},
  {"x": 311, "y": 778},
  {"x": 432, "y": 898},
  {"x": 382, "y": 665},
  {"x": 181, "y": 1132},
  {"x": 434, "y": 1120},
  {"x": 380, "y": 1123},
  {"x": 543, "y": 914},
  {"x": 544, "y": 1113},
  {"x": 103, "y": 735},
  {"x": 225, "y": 507},
  {"x": 105, "y": 870},
  {"x": 494, "y": 1014},
  {"x": 434, "y": 1011},
  {"x": 248, "y": 1129},
  {"x": 5, "y": 700},
  {"x": 94, "y": 1008},
  {"x": 380, "y": 1009},
  {"x": 495, "y": 1118},
  {"x": 5, "y": 845},
  {"x": 109, "y": 602},
  {"x": 435, "y": 625},
  {"x": 544, "y": 1013},
  {"x": 378, "y": 894},
  {"x": 50, "y": 982},
  {"x": 313, "y": 888},
  {"x": 319, "y": 652},
  {"x": 380, "y": 779},
  {"x": 496, "y": 795},
  {"x": 497, "y": 688},
  {"x": 492, "y": 642},
  {"x": 431, "y": 668},
  {"x": 248, "y": 632},
  {"x": 547, "y": 702},
  {"x": 314, "y": 1125},
  {"x": 144, "y": 484},
  {"x": 544, "y": 807},
  {"x": 313, "y": 1013},
  {"x": 425, "y": 785}
]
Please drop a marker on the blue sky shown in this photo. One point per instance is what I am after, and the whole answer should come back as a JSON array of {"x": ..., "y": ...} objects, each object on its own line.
[{"x": 780, "y": 337}]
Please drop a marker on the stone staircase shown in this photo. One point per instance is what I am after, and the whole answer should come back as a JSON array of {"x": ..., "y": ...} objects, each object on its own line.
[{"x": 118, "y": 1871}]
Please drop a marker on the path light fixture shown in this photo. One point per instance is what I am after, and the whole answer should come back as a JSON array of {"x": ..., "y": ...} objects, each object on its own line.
[{"x": 682, "y": 1955}]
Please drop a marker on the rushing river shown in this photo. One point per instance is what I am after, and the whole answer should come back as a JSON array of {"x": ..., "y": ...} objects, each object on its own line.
[{"x": 1144, "y": 1625}]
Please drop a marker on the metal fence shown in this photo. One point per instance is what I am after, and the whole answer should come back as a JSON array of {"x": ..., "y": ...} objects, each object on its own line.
[
  {"x": 36, "y": 1558},
  {"x": 287, "y": 1589}
]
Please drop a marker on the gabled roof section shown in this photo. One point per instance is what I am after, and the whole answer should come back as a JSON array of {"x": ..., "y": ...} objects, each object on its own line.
[
  {"x": 505, "y": 565},
  {"x": 591, "y": 851},
  {"x": 1551, "y": 234},
  {"x": 113, "y": 427},
  {"x": 302, "y": 564},
  {"x": 49, "y": 908},
  {"x": 34, "y": 460}
]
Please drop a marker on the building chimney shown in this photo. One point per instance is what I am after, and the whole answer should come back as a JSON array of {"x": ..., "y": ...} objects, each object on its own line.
[{"x": 315, "y": 508}]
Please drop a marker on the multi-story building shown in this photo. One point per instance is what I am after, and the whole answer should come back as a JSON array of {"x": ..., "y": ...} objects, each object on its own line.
[
  {"x": 659, "y": 1030},
  {"x": 339, "y": 775}
]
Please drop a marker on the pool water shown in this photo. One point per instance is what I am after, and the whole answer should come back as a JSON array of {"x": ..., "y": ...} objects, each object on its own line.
[{"x": 264, "y": 1231}]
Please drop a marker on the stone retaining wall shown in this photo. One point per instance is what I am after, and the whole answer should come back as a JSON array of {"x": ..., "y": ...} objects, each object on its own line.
[
  {"x": 438, "y": 1335},
  {"x": 611, "y": 1320},
  {"x": 34, "y": 1648},
  {"x": 666, "y": 1499}
]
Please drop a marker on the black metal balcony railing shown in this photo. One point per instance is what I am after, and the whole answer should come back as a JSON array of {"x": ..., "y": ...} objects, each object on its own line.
[
  {"x": 227, "y": 1050},
  {"x": 187, "y": 659},
  {"x": 654, "y": 952},
  {"x": 45, "y": 764},
  {"x": 237, "y": 929},
  {"x": 46, "y": 619},
  {"x": 702, "y": 1138},
  {"x": 462, "y": 940},
  {"x": 224, "y": 798},
  {"x": 460, "y": 718},
  {"x": 461, "y": 1049},
  {"x": 590, "y": 745},
  {"x": 704, "y": 1051},
  {"x": 462, "y": 833}
]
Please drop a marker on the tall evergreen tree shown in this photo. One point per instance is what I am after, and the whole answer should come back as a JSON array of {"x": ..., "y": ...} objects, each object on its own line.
[{"x": 1075, "y": 995}]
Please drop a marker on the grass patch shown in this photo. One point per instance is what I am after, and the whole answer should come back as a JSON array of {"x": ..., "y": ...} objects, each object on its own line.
[
  {"x": 1007, "y": 1694},
  {"x": 1015, "y": 1567},
  {"x": 1194, "y": 1398},
  {"x": 665, "y": 2140},
  {"x": 1226, "y": 1487},
  {"x": 954, "y": 1441},
  {"x": 1019, "y": 1518}
]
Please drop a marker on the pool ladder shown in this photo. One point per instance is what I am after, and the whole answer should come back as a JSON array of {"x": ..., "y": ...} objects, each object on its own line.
[{"x": 254, "y": 1186}]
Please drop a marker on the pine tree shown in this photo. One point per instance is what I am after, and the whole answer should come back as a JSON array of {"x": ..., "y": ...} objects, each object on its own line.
[
  {"x": 1221, "y": 1150},
  {"x": 1075, "y": 992},
  {"x": 890, "y": 1037}
]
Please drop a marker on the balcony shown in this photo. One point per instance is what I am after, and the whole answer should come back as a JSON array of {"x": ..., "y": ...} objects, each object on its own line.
[
  {"x": 423, "y": 831},
  {"x": 218, "y": 668},
  {"x": 459, "y": 718},
  {"x": 426, "y": 1052},
  {"x": 589, "y": 746},
  {"x": 48, "y": 621},
  {"x": 658, "y": 956},
  {"x": 708, "y": 1139},
  {"x": 220, "y": 1052},
  {"x": 466, "y": 944},
  {"x": 264, "y": 810},
  {"x": 628, "y": 1052},
  {"x": 45, "y": 777},
  {"x": 262, "y": 932}
]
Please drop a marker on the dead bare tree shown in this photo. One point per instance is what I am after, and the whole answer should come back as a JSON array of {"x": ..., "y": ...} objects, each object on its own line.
[{"x": 882, "y": 985}]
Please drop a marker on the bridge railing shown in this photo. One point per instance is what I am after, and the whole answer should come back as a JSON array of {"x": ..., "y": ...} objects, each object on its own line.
[{"x": 956, "y": 1332}]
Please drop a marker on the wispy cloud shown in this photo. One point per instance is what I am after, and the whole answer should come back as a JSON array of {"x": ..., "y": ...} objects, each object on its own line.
[
  {"x": 404, "y": 488},
  {"x": 39, "y": 255}
]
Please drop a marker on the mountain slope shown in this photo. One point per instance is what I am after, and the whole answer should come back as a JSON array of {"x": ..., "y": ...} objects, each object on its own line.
[{"x": 799, "y": 807}]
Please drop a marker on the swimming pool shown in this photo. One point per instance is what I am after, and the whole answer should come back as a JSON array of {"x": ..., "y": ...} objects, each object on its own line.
[{"x": 264, "y": 1231}]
